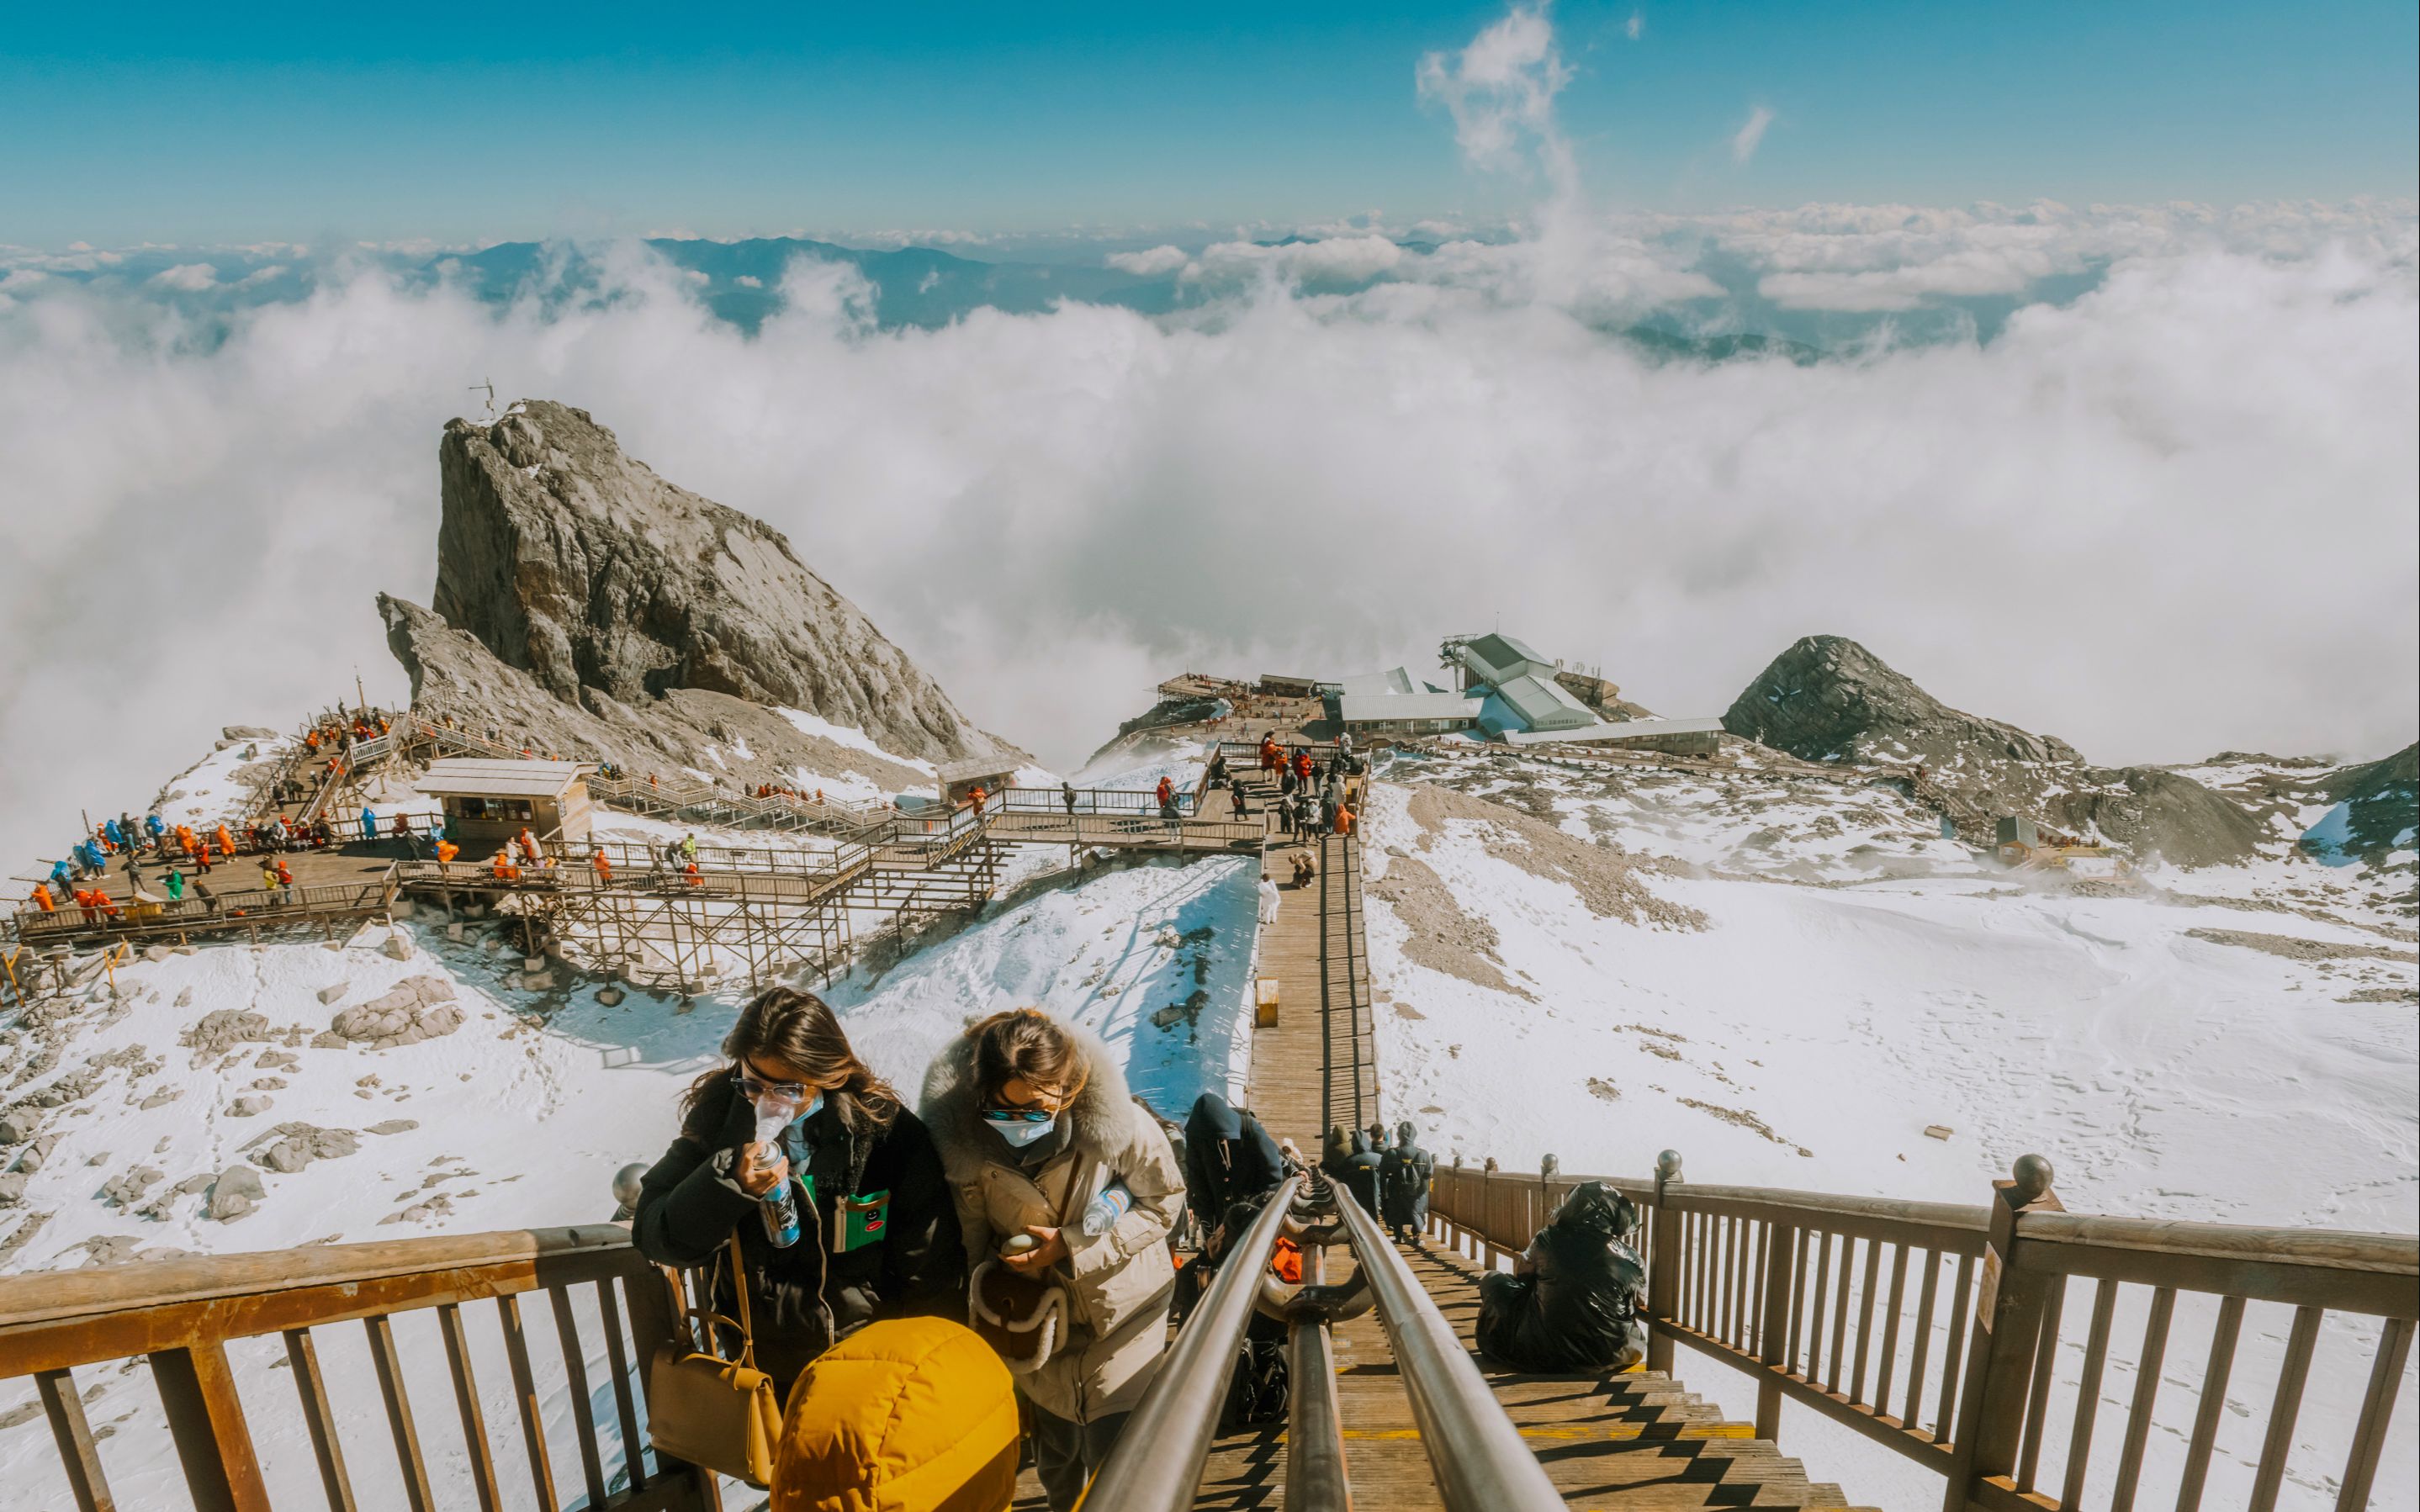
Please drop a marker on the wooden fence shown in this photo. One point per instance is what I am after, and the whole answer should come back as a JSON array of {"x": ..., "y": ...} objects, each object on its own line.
[
  {"x": 1937, "y": 1330},
  {"x": 179, "y": 1316}
]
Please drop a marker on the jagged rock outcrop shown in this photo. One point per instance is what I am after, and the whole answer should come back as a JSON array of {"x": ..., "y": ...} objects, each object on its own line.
[
  {"x": 2379, "y": 808},
  {"x": 1828, "y": 699},
  {"x": 588, "y": 605},
  {"x": 415, "y": 1008}
]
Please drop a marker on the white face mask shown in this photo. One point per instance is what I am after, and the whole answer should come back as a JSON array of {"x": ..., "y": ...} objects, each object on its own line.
[{"x": 1023, "y": 1132}]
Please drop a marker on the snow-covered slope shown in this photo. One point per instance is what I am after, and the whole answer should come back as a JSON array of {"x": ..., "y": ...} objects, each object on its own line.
[
  {"x": 514, "y": 1110},
  {"x": 1820, "y": 977}
]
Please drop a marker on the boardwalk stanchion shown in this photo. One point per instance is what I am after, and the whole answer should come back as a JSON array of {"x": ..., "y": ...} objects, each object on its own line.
[{"x": 1664, "y": 1264}]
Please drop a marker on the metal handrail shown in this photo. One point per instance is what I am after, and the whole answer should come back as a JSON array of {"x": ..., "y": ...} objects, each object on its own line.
[
  {"x": 1157, "y": 1466},
  {"x": 1481, "y": 1461}
]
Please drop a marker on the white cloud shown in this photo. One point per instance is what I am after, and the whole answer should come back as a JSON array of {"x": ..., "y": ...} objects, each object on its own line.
[
  {"x": 1751, "y": 134},
  {"x": 190, "y": 278},
  {"x": 749, "y": 281},
  {"x": 1501, "y": 91},
  {"x": 1636, "y": 26},
  {"x": 2175, "y": 466},
  {"x": 1149, "y": 263}
]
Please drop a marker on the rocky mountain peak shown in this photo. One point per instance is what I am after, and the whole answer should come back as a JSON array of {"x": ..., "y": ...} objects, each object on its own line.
[
  {"x": 573, "y": 562},
  {"x": 1828, "y": 699}
]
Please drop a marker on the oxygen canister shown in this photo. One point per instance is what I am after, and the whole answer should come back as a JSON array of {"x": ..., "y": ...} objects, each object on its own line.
[{"x": 781, "y": 1204}]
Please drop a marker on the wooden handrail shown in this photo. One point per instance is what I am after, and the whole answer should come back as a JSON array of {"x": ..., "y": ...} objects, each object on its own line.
[
  {"x": 61, "y": 1296},
  {"x": 1791, "y": 1286},
  {"x": 178, "y": 1316},
  {"x": 2336, "y": 1249}
]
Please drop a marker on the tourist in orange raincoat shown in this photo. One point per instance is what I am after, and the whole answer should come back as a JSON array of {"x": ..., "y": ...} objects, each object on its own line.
[
  {"x": 42, "y": 898},
  {"x": 447, "y": 851}
]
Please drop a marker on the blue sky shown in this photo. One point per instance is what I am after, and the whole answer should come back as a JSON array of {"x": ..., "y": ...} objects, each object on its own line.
[{"x": 229, "y": 124}]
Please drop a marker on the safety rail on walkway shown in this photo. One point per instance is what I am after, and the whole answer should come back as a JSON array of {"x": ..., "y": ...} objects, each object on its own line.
[
  {"x": 179, "y": 1317},
  {"x": 248, "y": 908},
  {"x": 1480, "y": 1462},
  {"x": 1157, "y": 1466},
  {"x": 1785, "y": 1285}
]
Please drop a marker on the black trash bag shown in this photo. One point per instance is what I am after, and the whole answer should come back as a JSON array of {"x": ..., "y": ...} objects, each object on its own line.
[{"x": 1577, "y": 1306}]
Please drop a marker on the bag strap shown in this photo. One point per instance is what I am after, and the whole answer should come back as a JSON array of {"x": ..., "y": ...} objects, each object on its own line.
[
  {"x": 740, "y": 1290},
  {"x": 704, "y": 1312}
]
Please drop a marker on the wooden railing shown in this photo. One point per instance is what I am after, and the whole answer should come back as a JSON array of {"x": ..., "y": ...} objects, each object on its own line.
[
  {"x": 1940, "y": 1331},
  {"x": 179, "y": 1317}
]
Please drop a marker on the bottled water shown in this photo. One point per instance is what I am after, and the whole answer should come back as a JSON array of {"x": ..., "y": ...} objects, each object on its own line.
[{"x": 1102, "y": 1213}]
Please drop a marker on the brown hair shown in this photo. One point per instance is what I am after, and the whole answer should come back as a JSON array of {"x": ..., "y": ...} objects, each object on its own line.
[
  {"x": 798, "y": 1029},
  {"x": 1025, "y": 1044}
]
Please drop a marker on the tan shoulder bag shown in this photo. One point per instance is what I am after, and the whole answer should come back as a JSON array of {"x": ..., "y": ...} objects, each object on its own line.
[{"x": 709, "y": 1410}]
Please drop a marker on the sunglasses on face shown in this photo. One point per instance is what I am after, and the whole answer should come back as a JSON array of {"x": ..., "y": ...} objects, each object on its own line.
[
  {"x": 1019, "y": 1115},
  {"x": 753, "y": 1090}
]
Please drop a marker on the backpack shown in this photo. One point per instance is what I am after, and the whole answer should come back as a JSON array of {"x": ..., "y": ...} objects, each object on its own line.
[{"x": 1257, "y": 1392}]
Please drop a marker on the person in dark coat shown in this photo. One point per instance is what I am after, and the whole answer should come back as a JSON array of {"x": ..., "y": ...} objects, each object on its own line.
[
  {"x": 879, "y": 1230},
  {"x": 1571, "y": 1301},
  {"x": 1229, "y": 1158},
  {"x": 1335, "y": 1155},
  {"x": 1403, "y": 1177},
  {"x": 1362, "y": 1173}
]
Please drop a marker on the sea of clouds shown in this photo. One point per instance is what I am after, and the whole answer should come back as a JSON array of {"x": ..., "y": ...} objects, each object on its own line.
[{"x": 2167, "y": 508}]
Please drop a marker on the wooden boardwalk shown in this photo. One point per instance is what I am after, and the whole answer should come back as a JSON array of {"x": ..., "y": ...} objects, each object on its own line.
[{"x": 1635, "y": 1440}]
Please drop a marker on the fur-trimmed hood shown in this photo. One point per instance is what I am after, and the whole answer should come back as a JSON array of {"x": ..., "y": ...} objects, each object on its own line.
[{"x": 1101, "y": 1123}]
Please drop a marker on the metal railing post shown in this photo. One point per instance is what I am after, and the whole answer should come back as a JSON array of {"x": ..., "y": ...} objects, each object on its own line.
[
  {"x": 1664, "y": 1267},
  {"x": 2009, "y": 1309}
]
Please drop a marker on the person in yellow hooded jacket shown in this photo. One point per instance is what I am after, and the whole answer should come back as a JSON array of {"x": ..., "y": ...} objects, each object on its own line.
[{"x": 908, "y": 1414}]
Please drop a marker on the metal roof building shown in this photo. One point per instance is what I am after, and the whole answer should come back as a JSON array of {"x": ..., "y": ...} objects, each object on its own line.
[
  {"x": 1496, "y": 659},
  {"x": 1683, "y": 736},
  {"x": 1531, "y": 703},
  {"x": 1395, "y": 680},
  {"x": 1405, "y": 714}
]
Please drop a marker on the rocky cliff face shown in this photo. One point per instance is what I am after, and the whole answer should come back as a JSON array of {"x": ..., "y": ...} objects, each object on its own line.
[
  {"x": 1828, "y": 699},
  {"x": 585, "y": 601}
]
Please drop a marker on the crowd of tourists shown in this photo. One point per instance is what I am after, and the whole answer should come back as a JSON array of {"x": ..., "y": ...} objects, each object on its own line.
[{"x": 932, "y": 1294}]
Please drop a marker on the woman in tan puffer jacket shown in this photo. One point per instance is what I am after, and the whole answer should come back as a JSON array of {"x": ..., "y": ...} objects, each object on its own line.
[{"x": 1032, "y": 1120}]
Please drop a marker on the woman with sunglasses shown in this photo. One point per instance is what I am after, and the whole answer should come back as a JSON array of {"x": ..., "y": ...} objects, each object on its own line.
[
  {"x": 876, "y": 1234},
  {"x": 1034, "y": 1124}
]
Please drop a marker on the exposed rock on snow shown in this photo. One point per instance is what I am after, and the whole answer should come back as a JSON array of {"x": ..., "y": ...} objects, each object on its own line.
[
  {"x": 394, "y": 1126},
  {"x": 221, "y": 1029},
  {"x": 417, "y": 1009},
  {"x": 126, "y": 1189},
  {"x": 1605, "y": 877},
  {"x": 335, "y": 992},
  {"x": 237, "y": 1192},
  {"x": 247, "y": 1107},
  {"x": 299, "y": 1143},
  {"x": 584, "y": 600},
  {"x": 1443, "y": 937},
  {"x": 1828, "y": 699}
]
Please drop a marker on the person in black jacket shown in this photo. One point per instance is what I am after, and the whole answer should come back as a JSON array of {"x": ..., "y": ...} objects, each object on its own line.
[
  {"x": 1362, "y": 1173},
  {"x": 879, "y": 1228},
  {"x": 1229, "y": 1158},
  {"x": 1404, "y": 1176}
]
